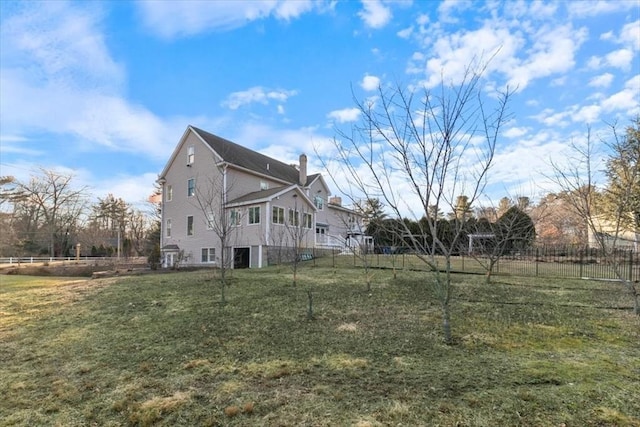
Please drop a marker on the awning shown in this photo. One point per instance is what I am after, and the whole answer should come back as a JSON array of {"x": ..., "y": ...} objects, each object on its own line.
[{"x": 170, "y": 248}]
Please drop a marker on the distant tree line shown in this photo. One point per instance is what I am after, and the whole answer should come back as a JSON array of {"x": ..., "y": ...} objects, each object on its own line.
[
  {"x": 49, "y": 215},
  {"x": 513, "y": 229}
]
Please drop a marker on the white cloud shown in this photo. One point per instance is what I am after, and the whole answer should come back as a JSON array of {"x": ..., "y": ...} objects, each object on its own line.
[
  {"x": 587, "y": 114},
  {"x": 58, "y": 76},
  {"x": 594, "y": 62},
  {"x": 598, "y": 7},
  {"x": 453, "y": 53},
  {"x": 515, "y": 132},
  {"x": 448, "y": 7},
  {"x": 134, "y": 189},
  {"x": 54, "y": 41},
  {"x": 625, "y": 100},
  {"x": 370, "y": 83},
  {"x": 257, "y": 94},
  {"x": 405, "y": 33},
  {"x": 375, "y": 14},
  {"x": 553, "y": 52},
  {"x": 603, "y": 80},
  {"x": 620, "y": 58},
  {"x": 630, "y": 35},
  {"x": 171, "y": 19},
  {"x": 345, "y": 115},
  {"x": 292, "y": 9},
  {"x": 551, "y": 118},
  {"x": 607, "y": 36},
  {"x": 285, "y": 145}
]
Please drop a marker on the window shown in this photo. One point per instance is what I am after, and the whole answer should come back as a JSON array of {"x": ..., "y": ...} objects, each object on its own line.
[
  {"x": 208, "y": 254},
  {"x": 191, "y": 187},
  {"x": 169, "y": 192},
  {"x": 189, "y": 226},
  {"x": 168, "y": 227},
  {"x": 319, "y": 202},
  {"x": 277, "y": 216},
  {"x": 210, "y": 220},
  {"x": 254, "y": 215},
  {"x": 307, "y": 220},
  {"x": 264, "y": 185},
  {"x": 191, "y": 155},
  {"x": 294, "y": 218},
  {"x": 235, "y": 217}
]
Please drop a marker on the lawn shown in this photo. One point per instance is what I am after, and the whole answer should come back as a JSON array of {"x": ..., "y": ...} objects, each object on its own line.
[{"x": 160, "y": 350}]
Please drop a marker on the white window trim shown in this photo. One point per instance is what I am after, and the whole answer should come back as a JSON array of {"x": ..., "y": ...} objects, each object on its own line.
[
  {"x": 192, "y": 226},
  {"x": 249, "y": 215},
  {"x": 194, "y": 187},
  {"x": 280, "y": 209},
  {"x": 210, "y": 259},
  {"x": 236, "y": 220},
  {"x": 209, "y": 219},
  {"x": 191, "y": 155}
]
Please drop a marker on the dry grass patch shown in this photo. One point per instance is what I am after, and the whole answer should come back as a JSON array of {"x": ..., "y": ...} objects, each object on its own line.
[
  {"x": 347, "y": 327},
  {"x": 152, "y": 410},
  {"x": 344, "y": 361}
]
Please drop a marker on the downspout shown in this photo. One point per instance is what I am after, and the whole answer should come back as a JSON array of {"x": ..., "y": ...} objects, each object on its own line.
[
  {"x": 224, "y": 185},
  {"x": 162, "y": 182},
  {"x": 267, "y": 228}
]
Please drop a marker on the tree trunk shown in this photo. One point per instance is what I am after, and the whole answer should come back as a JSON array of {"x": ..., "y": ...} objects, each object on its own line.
[
  {"x": 446, "y": 324},
  {"x": 223, "y": 279},
  {"x": 310, "y": 308}
]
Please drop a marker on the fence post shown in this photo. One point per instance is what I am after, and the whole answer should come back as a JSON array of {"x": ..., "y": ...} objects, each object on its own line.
[
  {"x": 581, "y": 263},
  {"x": 631, "y": 265},
  {"x": 537, "y": 260}
]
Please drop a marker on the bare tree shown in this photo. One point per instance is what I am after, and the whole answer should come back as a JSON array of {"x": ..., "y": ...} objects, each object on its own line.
[
  {"x": 418, "y": 150},
  {"x": 605, "y": 212},
  {"x": 54, "y": 205},
  {"x": 490, "y": 242},
  {"x": 557, "y": 223},
  {"x": 357, "y": 242},
  {"x": 297, "y": 225},
  {"x": 211, "y": 199}
]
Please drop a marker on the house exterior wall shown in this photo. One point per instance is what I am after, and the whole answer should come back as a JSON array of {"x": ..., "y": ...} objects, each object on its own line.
[
  {"x": 195, "y": 160},
  {"x": 241, "y": 182},
  {"x": 182, "y": 205}
]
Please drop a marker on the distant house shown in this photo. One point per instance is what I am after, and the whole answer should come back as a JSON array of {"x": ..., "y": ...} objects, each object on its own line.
[
  {"x": 608, "y": 234},
  {"x": 262, "y": 202}
]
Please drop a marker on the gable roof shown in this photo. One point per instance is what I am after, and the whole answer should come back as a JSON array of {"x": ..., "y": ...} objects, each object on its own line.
[
  {"x": 262, "y": 196},
  {"x": 246, "y": 158}
]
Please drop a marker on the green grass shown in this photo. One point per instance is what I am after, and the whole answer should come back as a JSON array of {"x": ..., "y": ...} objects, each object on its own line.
[{"x": 160, "y": 350}]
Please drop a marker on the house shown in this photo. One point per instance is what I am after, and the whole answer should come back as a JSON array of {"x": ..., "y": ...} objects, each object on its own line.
[
  {"x": 217, "y": 193},
  {"x": 606, "y": 232}
]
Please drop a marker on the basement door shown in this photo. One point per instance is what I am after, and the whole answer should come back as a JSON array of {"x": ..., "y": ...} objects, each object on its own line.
[{"x": 241, "y": 257}]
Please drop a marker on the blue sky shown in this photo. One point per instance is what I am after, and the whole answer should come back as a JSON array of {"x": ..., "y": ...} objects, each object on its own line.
[{"x": 105, "y": 90}]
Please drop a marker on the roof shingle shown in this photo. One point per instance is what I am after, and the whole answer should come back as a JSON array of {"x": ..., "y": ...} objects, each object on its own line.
[{"x": 248, "y": 159}]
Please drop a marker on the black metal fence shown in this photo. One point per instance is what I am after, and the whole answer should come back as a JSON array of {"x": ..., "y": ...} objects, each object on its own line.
[{"x": 570, "y": 262}]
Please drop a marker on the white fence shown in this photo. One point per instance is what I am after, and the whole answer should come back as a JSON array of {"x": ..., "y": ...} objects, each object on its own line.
[{"x": 43, "y": 259}]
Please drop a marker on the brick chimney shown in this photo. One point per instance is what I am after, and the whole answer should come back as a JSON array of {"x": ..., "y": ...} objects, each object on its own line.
[{"x": 303, "y": 170}]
